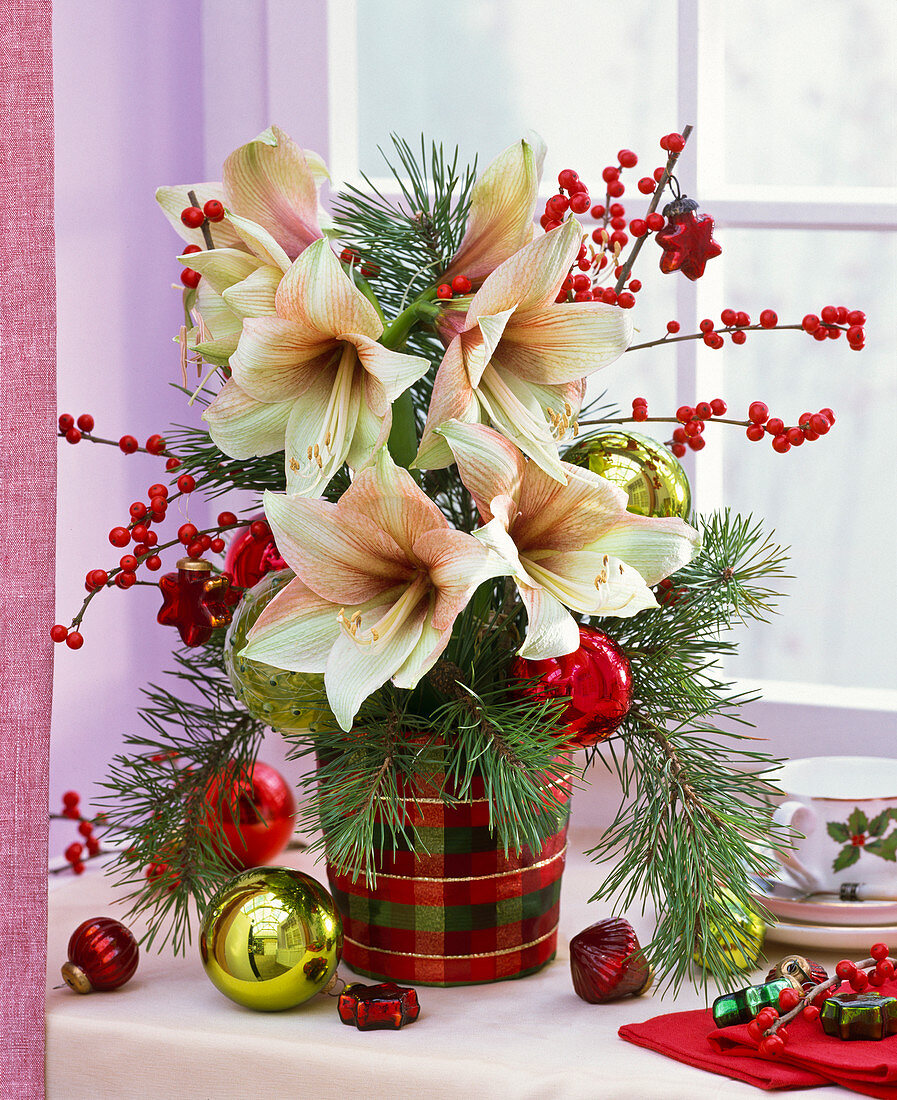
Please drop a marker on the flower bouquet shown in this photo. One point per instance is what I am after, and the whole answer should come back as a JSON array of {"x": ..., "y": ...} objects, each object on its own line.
[{"x": 468, "y": 584}]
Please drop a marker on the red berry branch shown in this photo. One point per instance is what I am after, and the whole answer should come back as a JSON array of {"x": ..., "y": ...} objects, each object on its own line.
[
  {"x": 768, "y": 1027},
  {"x": 833, "y": 320},
  {"x": 74, "y": 853}
]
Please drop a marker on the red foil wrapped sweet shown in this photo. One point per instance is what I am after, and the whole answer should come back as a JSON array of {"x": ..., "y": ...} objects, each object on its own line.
[
  {"x": 596, "y": 679},
  {"x": 102, "y": 955},
  {"x": 606, "y": 962},
  {"x": 378, "y": 1007},
  {"x": 249, "y": 558}
]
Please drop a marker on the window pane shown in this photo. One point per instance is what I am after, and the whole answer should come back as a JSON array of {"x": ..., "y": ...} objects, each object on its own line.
[
  {"x": 479, "y": 73},
  {"x": 810, "y": 91},
  {"x": 833, "y": 500}
]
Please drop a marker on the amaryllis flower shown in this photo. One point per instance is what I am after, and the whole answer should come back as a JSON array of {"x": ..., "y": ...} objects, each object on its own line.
[
  {"x": 380, "y": 579},
  {"x": 269, "y": 181},
  {"x": 570, "y": 545},
  {"x": 312, "y": 379},
  {"x": 519, "y": 357},
  {"x": 502, "y": 206}
]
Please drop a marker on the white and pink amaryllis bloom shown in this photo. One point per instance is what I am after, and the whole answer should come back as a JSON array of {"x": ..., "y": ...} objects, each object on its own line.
[
  {"x": 380, "y": 579},
  {"x": 570, "y": 545},
  {"x": 312, "y": 379},
  {"x": 518, "y": 359}
]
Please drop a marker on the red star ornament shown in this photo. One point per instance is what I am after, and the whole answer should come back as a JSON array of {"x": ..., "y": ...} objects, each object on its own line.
[
  {"x": 687, "y": 239},
  {"x": 196, "y": 601}
]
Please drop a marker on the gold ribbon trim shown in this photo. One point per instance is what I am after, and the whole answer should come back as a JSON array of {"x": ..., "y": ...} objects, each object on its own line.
[
  {"x": 476, "y": 878},
  {"x": 482, "y": 955}
]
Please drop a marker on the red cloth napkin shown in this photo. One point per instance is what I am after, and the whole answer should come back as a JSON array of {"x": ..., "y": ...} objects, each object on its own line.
[{"x": 811, "y": 1057}]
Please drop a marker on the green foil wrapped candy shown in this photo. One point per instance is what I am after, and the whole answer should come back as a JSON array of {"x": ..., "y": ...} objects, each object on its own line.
[
  {"x": 645, "y": 469},
  {"x": 283, "y": 700}
]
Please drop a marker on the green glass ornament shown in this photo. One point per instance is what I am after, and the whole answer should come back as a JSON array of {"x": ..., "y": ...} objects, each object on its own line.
[
  {"x": 283, "y": 700},
  {"x": 642, "y": 467},
  {"x": 271, "y": 938},
  {"x": 859, "y": 1016},
  {"x": 743, "y": 1005}
]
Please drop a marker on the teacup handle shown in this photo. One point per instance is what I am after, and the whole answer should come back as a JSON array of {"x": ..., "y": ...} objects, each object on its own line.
[{"x": 801, "y": 819}]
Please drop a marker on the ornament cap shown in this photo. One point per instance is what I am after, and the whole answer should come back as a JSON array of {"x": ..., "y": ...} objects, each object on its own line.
[
  {"x": 75, "y": 978},
  {"x": 681, "y": 205},
  {"x": 195, "y": 565}
]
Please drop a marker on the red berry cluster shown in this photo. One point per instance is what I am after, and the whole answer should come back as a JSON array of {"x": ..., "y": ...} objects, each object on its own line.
[
  {"x": 693, "y": 421},
  {"x": 366, "y": 268},
  {"x": 74, "y": 853},
  {"x": 459, "y": 285},
  {"x": 73, "y": 431},
  {"x": 810, "y": 426},
  {"x": 858, "y": 979},
  {"x": 832, "y": 321},
  {"x": 668, "y": 594},
  {"x": 195, "y": 218}
]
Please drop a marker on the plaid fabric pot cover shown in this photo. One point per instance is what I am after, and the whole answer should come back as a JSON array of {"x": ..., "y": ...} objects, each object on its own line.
[{"x": 457, "y": 910}]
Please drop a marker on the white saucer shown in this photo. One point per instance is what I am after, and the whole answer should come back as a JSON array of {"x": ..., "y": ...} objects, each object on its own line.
[
  {"x": 832, "y": 937},
  {"x": 824, "y": 910}
]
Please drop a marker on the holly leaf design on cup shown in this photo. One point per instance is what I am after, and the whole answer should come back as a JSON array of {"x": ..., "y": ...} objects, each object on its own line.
[
  {"x": 886, "y": 848},
  {"x": 846, "y": 857},
  {"x": 859, "y": 833}
]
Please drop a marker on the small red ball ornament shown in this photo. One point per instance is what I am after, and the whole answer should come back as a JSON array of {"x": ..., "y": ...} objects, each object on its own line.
[
  {"x": 606, "y": 962},
  {"x": 262, "y": 802},
  {"x": 596, "y": 679},
  {"x": 102, "y": 955},
  {"x": 687, "y": 239},
  {"x": 250, "y": 558}
]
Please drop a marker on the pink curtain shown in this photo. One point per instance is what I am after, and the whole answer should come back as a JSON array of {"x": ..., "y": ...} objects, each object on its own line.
[{"x": 28, "y": 501}]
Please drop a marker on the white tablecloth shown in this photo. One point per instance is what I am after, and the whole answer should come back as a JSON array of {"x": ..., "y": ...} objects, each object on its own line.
[{"x": 169, "y": 1033}]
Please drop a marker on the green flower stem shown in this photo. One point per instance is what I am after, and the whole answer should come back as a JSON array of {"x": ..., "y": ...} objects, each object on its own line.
[
  {"x": 365, "y": 287},
  {"x": 421, "y": 309},
  {"x": 402, "y": 441}
]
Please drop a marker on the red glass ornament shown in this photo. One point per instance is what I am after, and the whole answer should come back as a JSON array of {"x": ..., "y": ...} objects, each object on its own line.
[
  {"x": 102, "y": 955},
  {"x": 262, "y": 802},
  {"x": 249, "y": 559},
  {"x": 687, "y": 239},
  {"x": 606, "y": 962},
  {"x": 375, "y": 1007},
  {"x": 195, "y": 600},
  {"x": 596, "y": 678}
]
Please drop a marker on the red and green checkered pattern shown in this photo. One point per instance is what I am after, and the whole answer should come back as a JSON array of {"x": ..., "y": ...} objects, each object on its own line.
[{"x": 456, "y": 911}]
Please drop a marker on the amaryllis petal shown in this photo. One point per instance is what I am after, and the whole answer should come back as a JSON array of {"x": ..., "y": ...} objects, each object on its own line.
[
  {"x": 254, "y": 296},
  {"x": 318, "y": 293},
  {"x": 567, "y": 516},
  {"x": 457, "y": 565},
  {"x": 222, "y": 267},
  {"x": 346, "y": 564},
  {"x": 394, "y": 370},
  {"x": 213, "y": 351},
  {"x": 453, "y": 398},
  {"x": 390, "y": 497},
  {"x": 655, "y": 547},
  {"x": 513, "y": 408},
  {"x": 488, "y": 464},
  {"x": 277, "y": 359},
  {"x": 243, "y": 427},
  {"x": 606, "y": 585},
  {"x": 321, "y": 428},
  {"x": 551, "y": 629},
  {"x": 174, "y": 201},
  {"x": 373, "y": 425},
  {"x": 355, "y": 671},
  {"x": 503, "y": 202},
  {"x": 479, "y": 344},
  {"x": 562, "y": 345},
  {"x": 260, "y": 242},
  {"x": 295, "y": 631},
  {"x": 429, "y": 648},
  {"x": 270, "y": 181},
  {"x": 532, "y": 277},
  {"x": 217, "y": 316}
]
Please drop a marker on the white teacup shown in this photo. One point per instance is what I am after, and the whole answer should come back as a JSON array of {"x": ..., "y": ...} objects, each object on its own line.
[{"x": 841, "y": 812}]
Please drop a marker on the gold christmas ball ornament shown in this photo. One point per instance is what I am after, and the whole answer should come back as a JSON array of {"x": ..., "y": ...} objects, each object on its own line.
[
  {"x": 742, "y": 942},
  {"x": 283, "y": 700},
  {"x": 645, "y": 469},
  {"x": 271, "y": 938}
]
